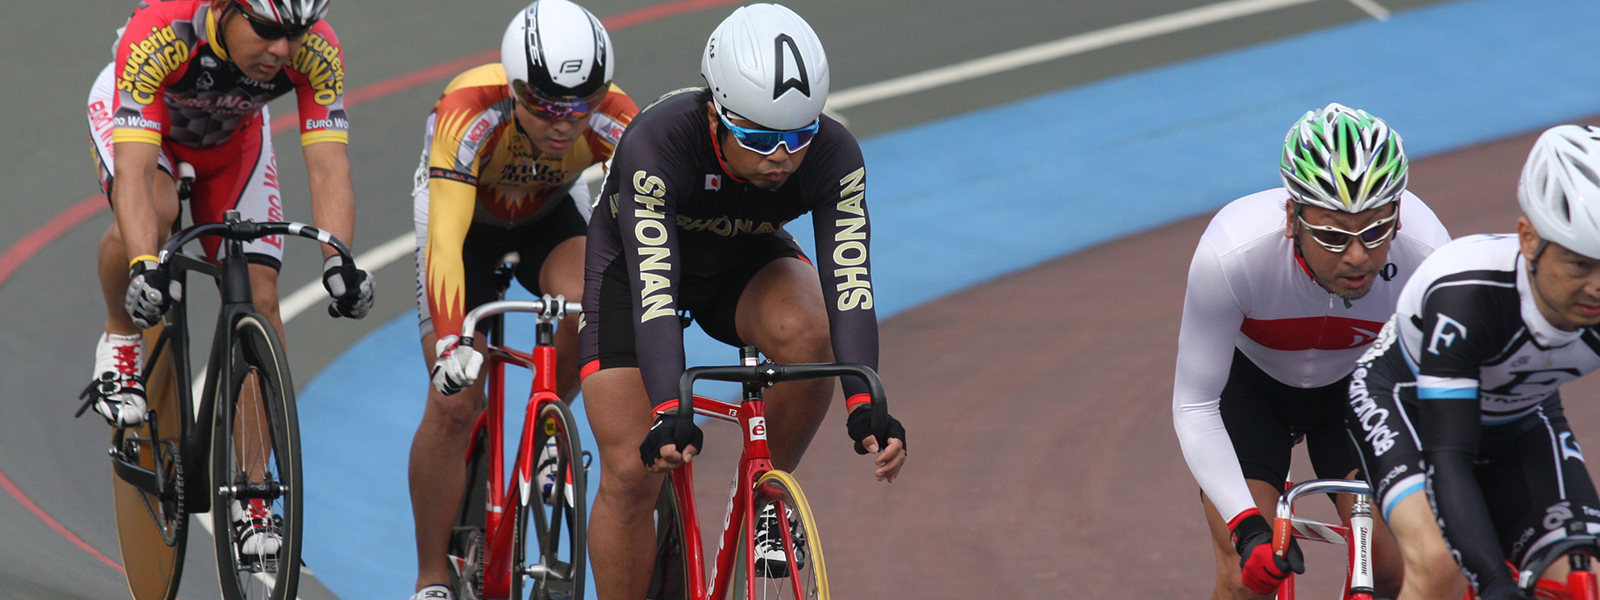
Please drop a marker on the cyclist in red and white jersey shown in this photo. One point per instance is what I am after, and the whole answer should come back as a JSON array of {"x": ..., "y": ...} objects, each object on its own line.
[
  {"x": 189, "y": 83},
  {"x": 1287, "y": 287}
]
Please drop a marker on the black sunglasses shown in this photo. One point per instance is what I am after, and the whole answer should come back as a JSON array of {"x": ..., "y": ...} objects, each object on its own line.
[{"x": 271, "y": 31}]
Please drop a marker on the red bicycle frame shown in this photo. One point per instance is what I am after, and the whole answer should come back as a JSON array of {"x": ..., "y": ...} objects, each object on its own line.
[{"x": 1357, "y": 537}]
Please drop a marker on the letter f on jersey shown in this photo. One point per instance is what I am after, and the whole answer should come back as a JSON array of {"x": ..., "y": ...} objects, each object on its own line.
[{"x": 1442, "y": 333}]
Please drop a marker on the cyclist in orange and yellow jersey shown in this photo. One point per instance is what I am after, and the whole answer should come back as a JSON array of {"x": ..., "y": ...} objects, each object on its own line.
[{"x": 502, "y": 159}]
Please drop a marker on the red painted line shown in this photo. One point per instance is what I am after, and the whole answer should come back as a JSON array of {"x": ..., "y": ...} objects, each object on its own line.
[
  {"x": 28, "y": 503},
  {"x": 25, "y": 249}
]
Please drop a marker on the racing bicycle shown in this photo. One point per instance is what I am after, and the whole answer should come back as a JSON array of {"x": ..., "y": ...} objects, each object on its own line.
[
  {"x": 238, "y": 441},
  {"x": 1357, "y": 537},
  {"x": 489, "y": 553},
  {"x": 758, "y": 489}
]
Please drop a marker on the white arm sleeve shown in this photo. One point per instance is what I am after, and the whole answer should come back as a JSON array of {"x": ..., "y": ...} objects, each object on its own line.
[{"x": 1212, "y": 316}]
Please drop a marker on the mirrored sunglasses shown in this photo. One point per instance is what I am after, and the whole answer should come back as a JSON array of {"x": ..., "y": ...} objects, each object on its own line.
[
  {"x": 554, "y": 109},
  {"x": 269, "y": 30},
  {"x": 1334, "y": 239},
  {"x": 766, "y": 141}
]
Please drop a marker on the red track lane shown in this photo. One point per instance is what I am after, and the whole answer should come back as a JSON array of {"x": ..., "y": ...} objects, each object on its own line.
[{"x": 25, "y": 249}]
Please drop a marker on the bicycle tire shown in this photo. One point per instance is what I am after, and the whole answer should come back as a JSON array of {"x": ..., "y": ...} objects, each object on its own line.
[
  {"x": 561, "y": 557},
  {"x": 152, "y": 531},
  {"x": 257, "y": 368},
  {"x": 467, "y": 535},
  {"x": 669, "y": 579},
  {"x": 780, "y": 488}
]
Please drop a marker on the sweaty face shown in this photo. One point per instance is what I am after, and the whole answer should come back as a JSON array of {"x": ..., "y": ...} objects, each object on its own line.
[
  {"x": 1566, "y": 284},
  {"x": 552, "y": 137},
  {"x": 765, "y": 171},
  {"x": 1349, "y": 274},
  {"x": 260, "y": 59}
]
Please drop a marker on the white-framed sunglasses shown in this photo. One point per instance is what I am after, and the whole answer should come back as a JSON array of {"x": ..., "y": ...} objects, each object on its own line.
[{"x": 1334, "y": 239}]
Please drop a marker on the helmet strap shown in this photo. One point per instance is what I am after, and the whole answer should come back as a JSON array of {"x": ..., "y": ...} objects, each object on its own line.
[{"x": 222, "y": 36}]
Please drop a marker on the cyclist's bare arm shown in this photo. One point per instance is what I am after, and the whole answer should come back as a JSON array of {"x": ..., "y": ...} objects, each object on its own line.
[
  {"x": 333, "y": 199},
  {"x": 133, "y": 197}
]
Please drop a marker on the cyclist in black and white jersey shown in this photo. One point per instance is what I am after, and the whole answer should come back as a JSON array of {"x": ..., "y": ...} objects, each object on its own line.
[
  {"x": 1460, "y": 395},
  {"x": 1287, "y": 288}
]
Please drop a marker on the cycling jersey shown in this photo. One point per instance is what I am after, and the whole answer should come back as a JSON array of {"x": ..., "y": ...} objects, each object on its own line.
[
  {"x": 175, "y": 82},
  {"x": 1466, "y": 375},
  {"x": 478, "y": 169},
  {"x": 670, "y": 210},
  {"x": 1248, "y": 290}
]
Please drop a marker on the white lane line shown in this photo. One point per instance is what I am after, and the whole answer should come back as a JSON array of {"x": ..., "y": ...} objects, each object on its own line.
[
  {"x": 1373, "y": 8},
  {"x": 1048, "y": 51}
]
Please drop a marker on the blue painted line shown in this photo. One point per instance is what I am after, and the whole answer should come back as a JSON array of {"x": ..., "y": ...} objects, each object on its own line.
[{"x": 963, "y": 200}]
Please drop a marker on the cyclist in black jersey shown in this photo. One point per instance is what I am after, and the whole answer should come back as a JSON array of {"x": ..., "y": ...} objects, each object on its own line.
[
  {"x": 691, "y": 220},
  {"x": 1459, "y": 397}
]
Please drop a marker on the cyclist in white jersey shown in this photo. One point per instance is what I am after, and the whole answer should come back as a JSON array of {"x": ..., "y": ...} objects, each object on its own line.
[
  {"x": 1460, "y": 397},
  {"x": 1287, "y": 288}
]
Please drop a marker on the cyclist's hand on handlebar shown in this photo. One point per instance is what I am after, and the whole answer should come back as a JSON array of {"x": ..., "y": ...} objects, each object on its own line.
[
  {"x": 456, "y": 366},
  {"x": 659, "y": 452},
  {"x": 892, "y": 457},
  {"x": 1262, "y": 570},
  {"x": 150, "y": 291},
  {"x": 348, "y": 303}
]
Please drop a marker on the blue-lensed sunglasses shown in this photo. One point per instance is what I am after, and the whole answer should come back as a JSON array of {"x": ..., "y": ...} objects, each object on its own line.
[{"x": 765, "y": 141}]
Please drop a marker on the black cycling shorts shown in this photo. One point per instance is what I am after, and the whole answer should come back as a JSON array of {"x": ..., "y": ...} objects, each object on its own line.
[
  {"x": 710, "y": 300},
  {"x": 487, "y": 245},
  {"x": 1264, "y": 417}
]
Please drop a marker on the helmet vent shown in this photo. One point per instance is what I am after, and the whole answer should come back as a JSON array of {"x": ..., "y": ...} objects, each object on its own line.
[{"x": 1587, "y": 172}]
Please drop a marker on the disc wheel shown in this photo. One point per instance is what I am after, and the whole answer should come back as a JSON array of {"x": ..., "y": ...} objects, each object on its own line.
[
  {"x": 153, "y": 528},
  {"x": 669, "y": 579},
  {"x": 255, "y": 466},
  {"x": 801, "y": 573},
  {"x": 551, "y": 536}
]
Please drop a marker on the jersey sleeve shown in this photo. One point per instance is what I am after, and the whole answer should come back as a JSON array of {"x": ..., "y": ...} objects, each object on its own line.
[
  {"x": 317, "y": 71},
  {"x": 843, "y": 234},
  {"x": 1454, "y": 345},
  {"x": 647, "y": 223},
  {"x": 1212, "y": 316},
  {"x": 609, "y": 122},
  {"x": 149, "y": 56},
  {"x": 459, "y": 131}
]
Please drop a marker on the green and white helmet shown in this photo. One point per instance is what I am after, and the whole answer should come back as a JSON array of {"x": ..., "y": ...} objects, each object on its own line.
[{"x": 1343, "y": 159}]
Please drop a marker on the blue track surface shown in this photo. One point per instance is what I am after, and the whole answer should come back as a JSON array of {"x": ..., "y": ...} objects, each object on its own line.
[{"x": 961, "y": 201}]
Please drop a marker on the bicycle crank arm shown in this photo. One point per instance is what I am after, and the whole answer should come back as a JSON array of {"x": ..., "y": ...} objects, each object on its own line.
[{"x": 267, "y": 490}]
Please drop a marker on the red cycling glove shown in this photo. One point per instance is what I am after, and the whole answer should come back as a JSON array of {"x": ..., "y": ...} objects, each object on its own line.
[{"x": 1261, "y": 570}]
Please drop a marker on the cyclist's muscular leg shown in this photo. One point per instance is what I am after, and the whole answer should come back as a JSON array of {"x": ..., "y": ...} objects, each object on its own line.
[
  {"x": 1229, "y": 587},
  {"x": 621, "y": 522},
  {"x": 781, "y": 311},
  {"x": 437, "y": 472},
  {"x": 1431, "y": 572},
  {"x": 562, "y": 274},
  {"x": 113, "y": 255}
]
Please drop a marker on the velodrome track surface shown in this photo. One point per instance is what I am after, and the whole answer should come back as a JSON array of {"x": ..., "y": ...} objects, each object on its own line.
[{"x": 1043, "y": 445}]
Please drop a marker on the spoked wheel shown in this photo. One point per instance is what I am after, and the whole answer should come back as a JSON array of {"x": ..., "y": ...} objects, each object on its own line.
[
  {"x": 789, "y": 563},
  {"x": 255, "y": 470},
  {"x": 551, "y": 535},
  {"x": 466, "y": 537},
  {"x": 152, "y": 524},
  {"x": 669, "y": 580}
]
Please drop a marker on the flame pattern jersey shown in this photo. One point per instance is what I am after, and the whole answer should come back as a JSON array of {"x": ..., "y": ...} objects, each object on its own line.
[{"x": 174, "y": 81}]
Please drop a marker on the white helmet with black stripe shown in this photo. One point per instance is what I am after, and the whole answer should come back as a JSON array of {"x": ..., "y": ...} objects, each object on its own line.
[
  {"x": 1560, "y": 188},
  {"x": 765, "y": 64},
  {"x": 289, "y": 13},
  {"x": 558, "y": 50}
]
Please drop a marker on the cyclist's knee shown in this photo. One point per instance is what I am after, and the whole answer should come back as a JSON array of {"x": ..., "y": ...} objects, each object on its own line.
[
  {"x": 796, "y": 336},
  {"x": 456, "y": 412}
]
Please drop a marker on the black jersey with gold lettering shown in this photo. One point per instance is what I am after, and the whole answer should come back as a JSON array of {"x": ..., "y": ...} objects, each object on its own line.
[{"x": 669, "y": 208}]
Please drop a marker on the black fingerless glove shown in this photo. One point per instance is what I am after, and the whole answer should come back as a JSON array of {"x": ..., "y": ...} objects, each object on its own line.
[
  {"x": 662, "y": 433},
  {"x": 859, "y": 425}
]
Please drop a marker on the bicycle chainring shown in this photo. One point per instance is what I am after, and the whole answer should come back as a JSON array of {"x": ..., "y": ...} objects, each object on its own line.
[{"x": 469, "y": 565}]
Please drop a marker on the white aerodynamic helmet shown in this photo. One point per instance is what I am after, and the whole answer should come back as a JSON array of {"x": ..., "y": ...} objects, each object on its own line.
[
  {"x": 1560, "y": 188},
  {"x": 558, "y": 50},
  {"x": 765, "y": 64},
  {"x": 289, "y": 13}
]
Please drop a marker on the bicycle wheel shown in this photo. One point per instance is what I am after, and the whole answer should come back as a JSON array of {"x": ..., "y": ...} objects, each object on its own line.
[
  {"x": 559, "y": 536},
  {"x": 669, "y": 580},
  {"x": 255, "y": 461},
  {"x": 803, "y": 575},
  {"x": 467, "y": 537},
  {"x": 152, "y": 527}
]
